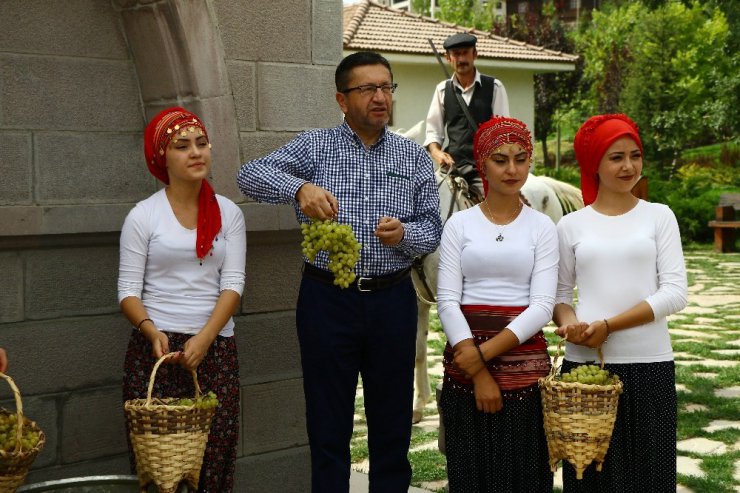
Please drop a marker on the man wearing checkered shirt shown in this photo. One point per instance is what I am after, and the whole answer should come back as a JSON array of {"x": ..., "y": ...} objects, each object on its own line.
[{"x": 382, "y": 184}]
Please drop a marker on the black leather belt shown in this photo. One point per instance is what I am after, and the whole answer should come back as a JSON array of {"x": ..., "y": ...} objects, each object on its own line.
[{"x": 362, "y": 284}]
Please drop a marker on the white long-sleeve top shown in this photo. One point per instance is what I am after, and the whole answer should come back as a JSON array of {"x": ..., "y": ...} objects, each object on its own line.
[
  {"x": 475, "y": 269},
  {"x": 158, "y": 264},
  {"x": 617, "y": 262},
  {"x": 435, "y": 123}
]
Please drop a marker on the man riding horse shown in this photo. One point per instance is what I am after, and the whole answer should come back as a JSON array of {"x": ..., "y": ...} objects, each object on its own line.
[{"x": 459, "y": 105}]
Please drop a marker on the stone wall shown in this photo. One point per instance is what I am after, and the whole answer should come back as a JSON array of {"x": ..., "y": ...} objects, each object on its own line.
[{"x": 77, "y": 84}]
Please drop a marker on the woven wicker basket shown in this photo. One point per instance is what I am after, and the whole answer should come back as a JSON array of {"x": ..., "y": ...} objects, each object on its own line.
[
  {"x": 168, "y": 440},
  {"x": 14, "y": 464},
  {"x": 579, "y": 419}
]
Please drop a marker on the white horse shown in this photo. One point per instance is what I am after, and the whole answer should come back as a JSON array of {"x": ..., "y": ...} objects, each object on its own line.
[
  {"x": 549, "y": 196},
  {"x": 453, "y": 197}
]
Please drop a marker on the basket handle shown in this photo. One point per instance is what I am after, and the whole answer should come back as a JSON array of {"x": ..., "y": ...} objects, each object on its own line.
[
  {"x": 154, "y": 373},
  {"x": 554, "y": 367},
  {"x": 18, "y": 410}
]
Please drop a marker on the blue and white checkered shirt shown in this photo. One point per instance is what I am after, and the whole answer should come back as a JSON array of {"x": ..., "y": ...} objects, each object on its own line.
[{"x": 393, "y": 177}]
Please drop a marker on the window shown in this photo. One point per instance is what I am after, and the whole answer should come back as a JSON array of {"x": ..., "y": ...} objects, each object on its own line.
[{"x": 574, "y": 4}]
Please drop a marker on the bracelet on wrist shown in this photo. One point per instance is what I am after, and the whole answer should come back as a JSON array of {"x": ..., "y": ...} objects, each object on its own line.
[
  {"x": 608, "y": 329},
  {"x": 138, "y": 327},
  {"x": 480, "y": 353}
]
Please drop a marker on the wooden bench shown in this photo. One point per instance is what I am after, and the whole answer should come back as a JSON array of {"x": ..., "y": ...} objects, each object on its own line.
[
  {"x": 725, "y": 224},
  {"x": 640, "y": 190}
]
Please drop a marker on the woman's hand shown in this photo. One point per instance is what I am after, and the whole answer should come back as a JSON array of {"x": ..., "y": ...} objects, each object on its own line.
[
  {"x": 194, "y": 351},
  {"x": 468, "y": 359},
  {"x": 596, "y": 333},
  {"x": 487, "y": 393},
  {"x": 583, "y": 334},
  {"x": 573, "y": 332},
  {"x": 159, "y": 341}
]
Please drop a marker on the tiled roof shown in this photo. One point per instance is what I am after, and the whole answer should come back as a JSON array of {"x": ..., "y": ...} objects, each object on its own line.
[{"x": 371, "y": 26}]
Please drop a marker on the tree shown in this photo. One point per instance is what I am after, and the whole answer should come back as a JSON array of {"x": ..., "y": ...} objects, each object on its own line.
[
  {"x": 604, "y": 45},
  {"x": 423, "y": 7},
  {"x": 551, "y": 90},
  {"x": 669, "y": 65},
  {"x": 468, "y": 13},
  {"x": 677, "y": 76}
]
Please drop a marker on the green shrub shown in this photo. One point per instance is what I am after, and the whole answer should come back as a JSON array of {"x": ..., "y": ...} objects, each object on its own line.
[{"x": 693, "y": 193}]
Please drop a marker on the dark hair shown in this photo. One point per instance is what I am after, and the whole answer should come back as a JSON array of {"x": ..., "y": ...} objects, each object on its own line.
[{"x": 359, "y": 59}]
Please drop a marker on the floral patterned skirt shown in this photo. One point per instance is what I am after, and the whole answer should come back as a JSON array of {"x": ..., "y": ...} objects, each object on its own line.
[{"x": 218, "y": 372}]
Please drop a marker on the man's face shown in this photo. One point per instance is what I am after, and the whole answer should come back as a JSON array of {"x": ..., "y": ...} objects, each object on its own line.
[
  {"x": 367, "y": 113},
  {"x": 462, "y": 59}
]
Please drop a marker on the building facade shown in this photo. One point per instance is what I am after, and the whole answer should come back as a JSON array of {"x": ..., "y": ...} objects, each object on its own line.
[
  {"x": 79, "y": 81},
  {"x": 403, "y": 38}
]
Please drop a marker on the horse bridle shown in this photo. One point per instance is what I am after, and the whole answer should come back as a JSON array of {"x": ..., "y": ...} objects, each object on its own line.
[{"x": 418, "y": 263}]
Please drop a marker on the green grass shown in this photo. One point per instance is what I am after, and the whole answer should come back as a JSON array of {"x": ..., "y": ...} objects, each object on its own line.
[
  {"x": 712, "y": 151},
  {"x": 704, "y": 267},
  {"x": 429, "y": 465}
]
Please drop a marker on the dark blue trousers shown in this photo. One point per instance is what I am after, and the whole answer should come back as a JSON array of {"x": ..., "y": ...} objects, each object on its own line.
[{"x": 344, "y": 333}]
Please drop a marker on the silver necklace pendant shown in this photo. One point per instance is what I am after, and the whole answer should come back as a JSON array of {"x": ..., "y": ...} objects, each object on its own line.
[{"x": 500, "y": 237}]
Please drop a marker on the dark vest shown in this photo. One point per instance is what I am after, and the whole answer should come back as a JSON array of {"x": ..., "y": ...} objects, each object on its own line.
[{"x": 459, "y": 133}]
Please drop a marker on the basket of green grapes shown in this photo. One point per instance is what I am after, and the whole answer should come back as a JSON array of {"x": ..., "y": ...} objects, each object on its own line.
[
  {"x": 169, "y": 435},
  {"x": 21, "y": 440},
  {"x": 579, "y": 410}
]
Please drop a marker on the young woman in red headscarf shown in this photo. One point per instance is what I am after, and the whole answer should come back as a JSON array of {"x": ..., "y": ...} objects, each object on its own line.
[
  {"x": 625, "y": 257},
  {"x": 181, "y": 277},
  {"x": 496, "y": 290}
]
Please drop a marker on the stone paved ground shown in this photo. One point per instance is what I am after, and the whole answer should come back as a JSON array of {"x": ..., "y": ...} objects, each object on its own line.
[{"x": 706, "y": 339}]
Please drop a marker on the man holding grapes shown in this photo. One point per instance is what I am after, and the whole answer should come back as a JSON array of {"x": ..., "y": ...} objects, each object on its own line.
[{"x": 382, "y": 185}]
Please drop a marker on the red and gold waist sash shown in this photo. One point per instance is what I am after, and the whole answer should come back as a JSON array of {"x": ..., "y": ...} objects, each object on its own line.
[{"x": 514, "y": 370}]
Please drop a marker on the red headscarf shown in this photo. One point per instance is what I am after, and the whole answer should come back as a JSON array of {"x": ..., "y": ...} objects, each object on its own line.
[
  {"x": 591, "y": 142},
  {"x": 157, "y": 135},
  {"x": 494, "y": 133}
]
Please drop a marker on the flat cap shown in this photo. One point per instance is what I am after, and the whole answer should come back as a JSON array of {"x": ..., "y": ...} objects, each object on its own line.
[{"x": 459, "y": 40}]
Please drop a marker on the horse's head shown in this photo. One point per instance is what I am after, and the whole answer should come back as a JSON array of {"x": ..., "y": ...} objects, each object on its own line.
[{"x": 453, "y": 192}]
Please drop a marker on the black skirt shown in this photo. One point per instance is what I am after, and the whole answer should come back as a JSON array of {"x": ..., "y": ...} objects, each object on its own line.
[
  {"x": 503, "y": 452},
  {"x": 642, "y": 451}
]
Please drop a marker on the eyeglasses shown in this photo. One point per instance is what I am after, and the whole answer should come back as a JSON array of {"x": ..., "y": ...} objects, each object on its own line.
[{"x": 370, "y": 89}]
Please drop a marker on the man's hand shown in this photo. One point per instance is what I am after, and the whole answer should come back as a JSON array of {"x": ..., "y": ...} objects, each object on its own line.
[
  {"x": 316, "y": 202},
  {"x": 444, "y": 159},
  {"x": 389, "y": 231}
]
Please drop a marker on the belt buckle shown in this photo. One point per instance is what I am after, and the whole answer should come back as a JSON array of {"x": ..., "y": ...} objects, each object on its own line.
[{"x": 359, "y": 284}]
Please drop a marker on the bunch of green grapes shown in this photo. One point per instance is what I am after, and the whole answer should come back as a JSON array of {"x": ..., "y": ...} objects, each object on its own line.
[
  {"x": 203, "y": 402},
  {"x": 207, "y": 400},
  {"x": 590, "y": 374},
  {"x": 339, "y": 241},
  {"x": 9, "y": 437}
]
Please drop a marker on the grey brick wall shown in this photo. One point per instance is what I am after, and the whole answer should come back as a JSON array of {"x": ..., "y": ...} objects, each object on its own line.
[{"x": 79, "y": 82}]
